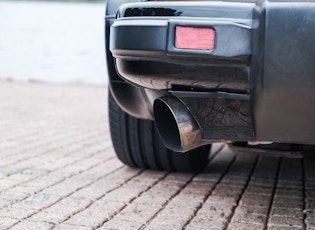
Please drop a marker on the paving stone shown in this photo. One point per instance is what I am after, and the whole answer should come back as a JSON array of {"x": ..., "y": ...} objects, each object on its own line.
[
  {"x": 284, "y": 228},
  {"x": 38, "y": 201},
  {"x": 261, "y": 202},
  {"x": 118, "y": 224},
  {"x": 200, "y": 223},
  {"x": 58, "y": 170},
  {"x": 215, "y": 211},
  {"x": 49, "y": 217},
  {"x": 153, "y": 198},
  {"x": 245, "y": 226},
  {"x": 258, "y": 190},
  {"x": 249, "y": 218},
  {"x": 310, "y": 194},
  {"x": 199, "y": 227},
  {"x": 260, "y": 210},
  {"x": 32, "y": 225},
  {"x": 17, "y": 213},
  {"x": 310, "y": 204},
  {"x": 310, "y": 221},
  {"x": 285, "y": 221},
  {"x": 197, "y": 188},
  {"x": 287, "y": 213},
  {"x": 309, "y": 213},
  {"x": 290, "y": 184},
  {"x": 289, "y": 193},
  {"x": 173, "y": 221},
  {"x": 75, "y": 201},
  {"x": 6, "y": 222},
  {"x": 268, "y": 183},
  {"x": 97, "y": 213},
  {"x": 251, "y": 198},
  {"x": 71, "y": 227},
  {"x": 228, "y": 190},
  {"x": 289, "y": 203},
  {"x": 140, "y": 213},
  {"x": 223, "y": 199}
]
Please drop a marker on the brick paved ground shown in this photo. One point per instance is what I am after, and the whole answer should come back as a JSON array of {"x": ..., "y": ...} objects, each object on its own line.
[{"x": 58, "y": 171}]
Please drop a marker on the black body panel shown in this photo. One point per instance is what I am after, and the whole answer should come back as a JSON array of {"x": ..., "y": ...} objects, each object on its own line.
[{"x": 284, "y": 101}]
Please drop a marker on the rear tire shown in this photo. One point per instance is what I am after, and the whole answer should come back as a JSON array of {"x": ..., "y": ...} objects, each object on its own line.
[{"x": 138, "y": 144}]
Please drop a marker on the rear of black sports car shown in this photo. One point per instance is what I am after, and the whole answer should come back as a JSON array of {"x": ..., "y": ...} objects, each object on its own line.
[{"x": 186, "y": 74}]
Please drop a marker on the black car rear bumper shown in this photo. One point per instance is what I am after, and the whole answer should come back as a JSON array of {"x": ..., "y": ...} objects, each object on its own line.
[
  {"x": 145, "y": 53},
  {"x": 256, "y": 84}
]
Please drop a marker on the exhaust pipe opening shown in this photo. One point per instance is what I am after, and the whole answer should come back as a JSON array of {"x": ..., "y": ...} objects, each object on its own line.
[
  {"x": 177, "y": 127},
  {"x": 167, "y": 125}
]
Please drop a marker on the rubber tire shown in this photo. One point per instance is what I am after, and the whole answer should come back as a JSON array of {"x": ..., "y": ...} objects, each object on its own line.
[{"x": 138, "y": 144}]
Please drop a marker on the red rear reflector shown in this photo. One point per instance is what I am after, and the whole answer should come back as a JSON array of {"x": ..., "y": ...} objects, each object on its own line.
[{"x": 194, "y": 38}]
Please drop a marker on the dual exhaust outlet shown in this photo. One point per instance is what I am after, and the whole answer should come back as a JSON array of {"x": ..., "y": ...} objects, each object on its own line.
[{"x": 176, "y": 125}]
